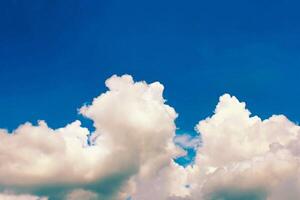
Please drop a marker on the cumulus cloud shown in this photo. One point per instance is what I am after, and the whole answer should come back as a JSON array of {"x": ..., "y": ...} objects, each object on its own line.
[
  {"x": 131, "y": 152},
  {"x": 169, "y": 182},
  {"x": 244, "y": 156},
  {"x": 133, "y": 136}
]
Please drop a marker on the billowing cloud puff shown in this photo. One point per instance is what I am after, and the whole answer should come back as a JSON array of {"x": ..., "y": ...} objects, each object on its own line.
[
  {"x": 244, "y": 157},
  {"x": 168, "y": 183},
  {"x": 34, "y": 155},
  {"x": 132, "y": 139},
  {"x": 131, "y": 152},
  {"x": 133, "y": 121}
]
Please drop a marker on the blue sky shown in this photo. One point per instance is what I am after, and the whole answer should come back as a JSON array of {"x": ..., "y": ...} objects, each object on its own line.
[{"x": 55, "y": 55}]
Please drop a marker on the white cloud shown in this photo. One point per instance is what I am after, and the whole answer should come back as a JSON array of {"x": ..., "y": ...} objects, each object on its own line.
[
  {"x": 187, "y": 141},
  {"x": 169, "y": 182},
  {"x": 133, "y": 118},
  {"x": 244, "y": 153},
  {"x": 80, "y": 194},
  {"x": 8, "y": 196},
  {"x": 133, "y": 138},
  {"x": 133, "y": 146}
]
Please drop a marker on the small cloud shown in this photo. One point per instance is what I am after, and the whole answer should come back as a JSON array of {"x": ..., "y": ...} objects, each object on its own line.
[
  {"x": 187, "y": 141},
  {"x": 11, "y": 196},
  {"x": 80, "y": 194}
]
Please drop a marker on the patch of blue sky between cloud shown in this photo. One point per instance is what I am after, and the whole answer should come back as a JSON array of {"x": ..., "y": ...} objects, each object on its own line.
[{"x": 189, "y": 141}]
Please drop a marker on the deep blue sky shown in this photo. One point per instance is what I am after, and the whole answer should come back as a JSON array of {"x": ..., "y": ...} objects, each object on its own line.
[{"x": 55, "y": 55}]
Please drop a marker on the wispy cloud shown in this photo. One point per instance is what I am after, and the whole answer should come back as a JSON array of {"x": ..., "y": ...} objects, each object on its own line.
[{"x": 187, "y": 141}]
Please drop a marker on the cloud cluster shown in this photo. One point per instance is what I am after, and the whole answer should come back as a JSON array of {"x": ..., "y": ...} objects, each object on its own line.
[
  {"x": 132, "y": 140},
  {"x": 246, "y": 157},
  {"x": 131, "y": 152}
]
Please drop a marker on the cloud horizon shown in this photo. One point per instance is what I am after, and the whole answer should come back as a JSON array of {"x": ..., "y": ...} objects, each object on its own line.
[{"x": 131, "y": 153}]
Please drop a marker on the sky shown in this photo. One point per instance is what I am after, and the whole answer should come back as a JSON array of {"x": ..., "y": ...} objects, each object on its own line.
[
  {"x": 56, "y": 55},
  {"x": 55, "y": 58}
]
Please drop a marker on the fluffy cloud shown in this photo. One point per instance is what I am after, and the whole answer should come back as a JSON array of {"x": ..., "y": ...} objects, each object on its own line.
[
  {"x": 169, "y": 182},
  {"x": 35, "y": 155},
  {"x": 131, "y": 153},
  {"x": 133, "y": 120},
  {"x": 132, "y": 140},
  {"x": 246, "y": 157},
  {"x": 187, "y": 141}
]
